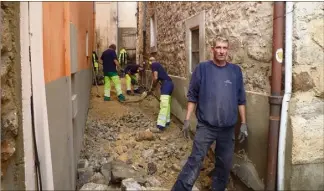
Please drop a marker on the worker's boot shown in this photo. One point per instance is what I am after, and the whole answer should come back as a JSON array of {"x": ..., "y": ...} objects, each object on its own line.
[
  {"x": 167, "y": 124},
  {"x": 129, "y": 92},
  {"x": 137, "y": 91},
  {"x": 121, "y": 98},
  {"x": 106, "y": 98},
  {"x": 160, "y": 128}
]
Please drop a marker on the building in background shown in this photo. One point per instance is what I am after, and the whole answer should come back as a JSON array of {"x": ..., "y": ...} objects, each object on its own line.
[
  {"x": 179, "y": 35},
  {"x": 116, "y": 23},
  {"x": 46, "y": 66}
]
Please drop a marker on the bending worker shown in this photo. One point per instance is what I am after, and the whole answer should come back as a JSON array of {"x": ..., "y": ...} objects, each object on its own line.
[
  {"x": 110, "y": 63},
  {"x": 131, "y": 72},
  {"x": 160, "y": 75}
]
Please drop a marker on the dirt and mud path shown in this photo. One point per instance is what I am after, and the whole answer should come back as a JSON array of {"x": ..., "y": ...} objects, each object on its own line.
[{"x": 121, "y": 132}]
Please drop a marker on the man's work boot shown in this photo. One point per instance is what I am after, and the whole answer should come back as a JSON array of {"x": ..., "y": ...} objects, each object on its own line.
[
  {"x": 137, "y": 91},
  {"x": 160, "y": 127},
  {"x": 167, "y": 124},
  {"x": 129, "y": 92},
  {"x": 106, "y": 98},
  {"x": 121, "y": 98}
]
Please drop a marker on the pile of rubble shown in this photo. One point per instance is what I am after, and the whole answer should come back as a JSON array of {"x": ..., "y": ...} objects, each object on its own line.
[
  {"x": 124, "y": 154},
  {"x": 114, "y": 175}
]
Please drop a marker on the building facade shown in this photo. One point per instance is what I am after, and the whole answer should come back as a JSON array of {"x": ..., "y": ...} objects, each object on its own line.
[
  {"x": 116, "y": 24},
  {"x": 179, "y": 35},
  {"x": 50, "y": 45}
]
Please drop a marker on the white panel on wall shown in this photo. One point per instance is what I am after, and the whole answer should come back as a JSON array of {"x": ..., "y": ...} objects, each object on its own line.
[{"x": 74, "y": 48}]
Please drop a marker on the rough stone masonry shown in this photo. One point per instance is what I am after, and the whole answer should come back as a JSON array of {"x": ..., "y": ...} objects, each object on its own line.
[
  {"x": 12, "y": 171},
  {"x": 248, "y": 25},
  {"x": 249, "y": 28}
]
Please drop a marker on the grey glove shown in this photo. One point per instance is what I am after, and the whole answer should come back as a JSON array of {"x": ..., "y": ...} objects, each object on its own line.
[
  {"x": 185, "y": 129},
  {"x": 243, "y": 132}
]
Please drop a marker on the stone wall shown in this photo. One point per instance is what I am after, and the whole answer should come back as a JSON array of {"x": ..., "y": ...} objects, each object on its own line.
[
  {"x": 307, "y": 103},
  {"x": 12, "y": 165},
  {"x": 248, "y": 26}
]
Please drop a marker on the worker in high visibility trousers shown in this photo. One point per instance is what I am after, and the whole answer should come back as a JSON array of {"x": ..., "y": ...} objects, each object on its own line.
[
  {"x": 110, "y": 65},
  {"x": 131, "y": 72},
  {"x": 122, "y": 58},
  {"x": 160, "y": 75},
  {"x": 95, "y": 62}
]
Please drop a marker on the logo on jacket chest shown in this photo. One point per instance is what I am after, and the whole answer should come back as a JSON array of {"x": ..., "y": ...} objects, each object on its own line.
[{"x": 227, "y": 82}]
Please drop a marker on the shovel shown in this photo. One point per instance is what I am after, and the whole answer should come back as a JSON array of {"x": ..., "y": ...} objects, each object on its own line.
[
  {"x": 142, "y": 97},
  {"x": 95, "y": 78}
]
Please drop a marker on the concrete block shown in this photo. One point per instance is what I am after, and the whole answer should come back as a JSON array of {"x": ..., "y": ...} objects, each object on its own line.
[{"x": 307, "y": 177}]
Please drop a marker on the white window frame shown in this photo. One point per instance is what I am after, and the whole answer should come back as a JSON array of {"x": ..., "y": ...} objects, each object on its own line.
[
  {"x": 153, "y": 33},
  {"x": 195, "y": 21}
]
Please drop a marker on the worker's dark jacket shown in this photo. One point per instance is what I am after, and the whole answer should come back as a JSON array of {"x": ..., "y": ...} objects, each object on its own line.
[
  {"x": 131, "y": 68},
  {"x": 217, "y": 91}
]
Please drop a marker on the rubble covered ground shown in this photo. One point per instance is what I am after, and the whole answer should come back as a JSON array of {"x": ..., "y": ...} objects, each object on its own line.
[{"x": 120, "y": 152}]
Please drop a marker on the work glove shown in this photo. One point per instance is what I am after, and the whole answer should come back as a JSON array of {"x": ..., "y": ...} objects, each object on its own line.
[
  {"x": 185, "y": 129},
  {"x": 243, "y": 132}
]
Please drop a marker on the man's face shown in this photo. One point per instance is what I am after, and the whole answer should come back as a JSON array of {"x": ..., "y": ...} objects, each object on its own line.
[{"x": 220, "y": 51}]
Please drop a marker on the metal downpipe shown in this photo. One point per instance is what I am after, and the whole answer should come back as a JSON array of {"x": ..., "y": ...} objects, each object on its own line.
[
  {"x": 275, "y": 98},
  {"x": 144, "y": 43}
]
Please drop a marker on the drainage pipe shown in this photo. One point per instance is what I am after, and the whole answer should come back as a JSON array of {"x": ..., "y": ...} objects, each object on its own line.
[
  {"x": 286, "y": 98},
  {"x": 144, "y": 44},
  {"x": 275, "y": 99},
  {"x": 94, "y": 44},
  {"x": 0, "y": 65},
  {"x": 117, "y": 26}
]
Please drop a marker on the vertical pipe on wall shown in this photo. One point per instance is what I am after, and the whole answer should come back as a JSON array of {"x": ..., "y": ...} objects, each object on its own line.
[
  {"x": 287, "y": 95},
  {"x": 39, "y": 94},
  {"x": 0, "y": 64},
  {"x": 117, "y": 26},
  {"x": 144, "y": 42},
  {"x": 94, "y": 35},
  {"x": 275, "y": 98}
]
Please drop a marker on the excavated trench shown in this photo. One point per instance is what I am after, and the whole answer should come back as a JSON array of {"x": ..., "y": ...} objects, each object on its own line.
[{"x": 120, "y": 151}]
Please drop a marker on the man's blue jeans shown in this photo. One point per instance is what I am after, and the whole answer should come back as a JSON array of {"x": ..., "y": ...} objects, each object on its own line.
[{"x": 205, "y": 136}]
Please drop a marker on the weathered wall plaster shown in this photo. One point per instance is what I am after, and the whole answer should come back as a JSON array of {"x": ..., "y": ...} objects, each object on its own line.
[
  {"x": 12, "y": 162},
  {"x": 307, "y": 103}
]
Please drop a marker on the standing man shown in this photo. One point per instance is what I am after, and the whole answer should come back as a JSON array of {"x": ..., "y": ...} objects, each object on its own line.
[
  {"x": 122, "y": 58},
  {"x": 110, "y": 64},
  {"x": 217, "y": 89},
  {"x": 160, "y": 75}
]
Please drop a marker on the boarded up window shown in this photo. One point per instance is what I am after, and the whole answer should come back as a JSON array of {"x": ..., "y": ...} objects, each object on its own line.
[
  {"x": 194, "y": 48},
  {"x": 153, "y": 28},
  {"x": 195, "y": 41}
]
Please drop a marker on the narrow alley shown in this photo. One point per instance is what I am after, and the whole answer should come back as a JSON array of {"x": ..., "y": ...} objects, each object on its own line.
[
  {"x": 123, "y": 133},
  {"x": 100, "y": 95}
]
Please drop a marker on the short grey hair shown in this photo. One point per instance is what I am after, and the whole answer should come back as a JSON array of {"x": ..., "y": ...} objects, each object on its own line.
[{"x": 219, "y": 38}]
